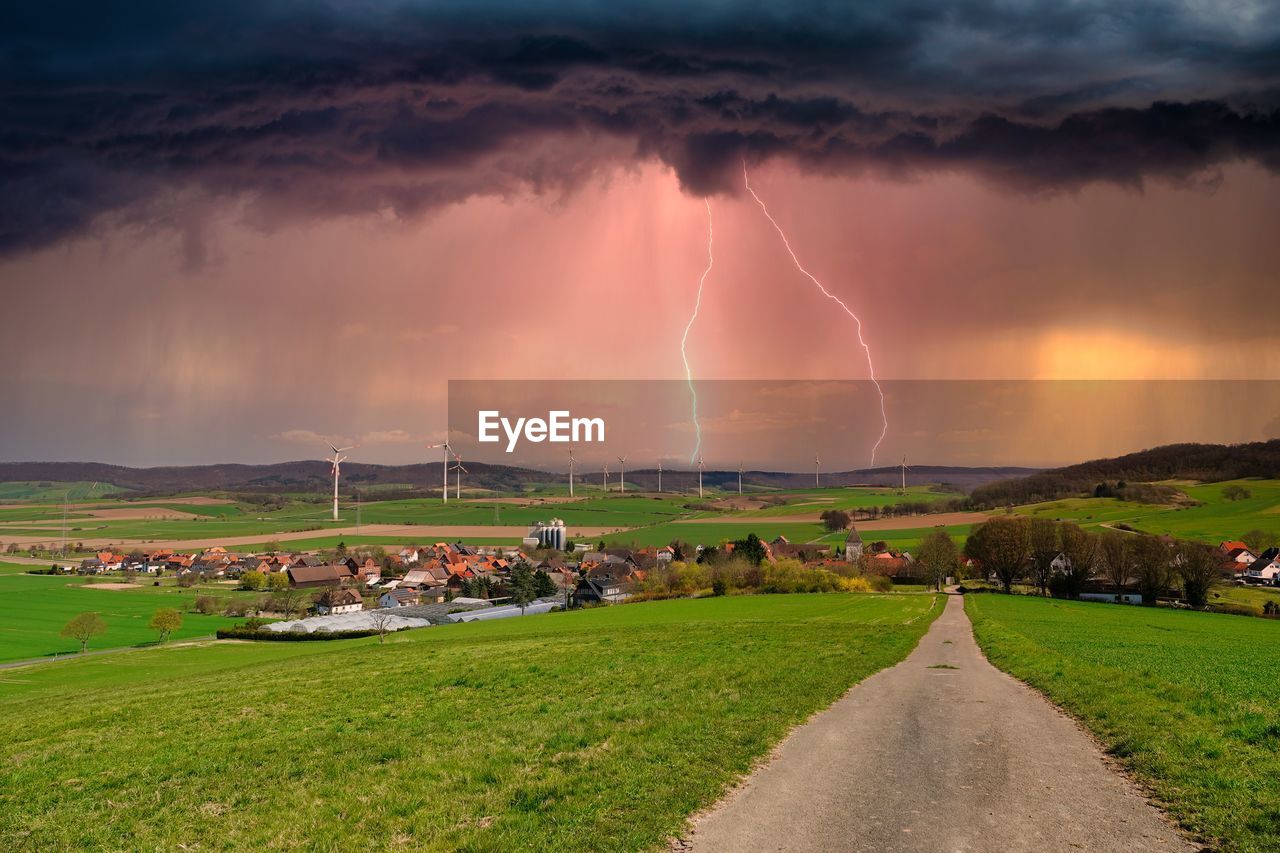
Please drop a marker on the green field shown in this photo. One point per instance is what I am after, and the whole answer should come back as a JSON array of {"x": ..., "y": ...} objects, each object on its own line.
[
  {"x": 600, "y": 729},
  {"x": 1190, "y": 702},
  {"x": 34, "y": 608},
  {"x": 1214, "y": 520}
]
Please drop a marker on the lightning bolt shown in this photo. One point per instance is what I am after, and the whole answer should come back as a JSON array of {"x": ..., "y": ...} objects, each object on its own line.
[
  {"x": 688, "y": 371},
  {"x": 871, "y": 368}
]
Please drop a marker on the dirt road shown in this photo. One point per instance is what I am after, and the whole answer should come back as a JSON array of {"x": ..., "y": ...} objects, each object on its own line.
[{"x": 927, "y": 757}]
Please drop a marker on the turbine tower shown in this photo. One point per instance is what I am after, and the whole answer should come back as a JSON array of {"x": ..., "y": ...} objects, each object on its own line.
[
  {"x": 337, "y": 461},
  {"x": 622, "y": 473},
  {"x": 606, "y": 477},
  {"x": 699, "y": 476},
  {"x": 457, "y": 467},
  {"x": 444, "y": 467},
  {"x": 905, "y": 469},
  {"x": 816, "y": 463},
  {"x": 572, "y": 462},
  {"x": 739, "y": 479},
  {"x": 659, "y": 475}
]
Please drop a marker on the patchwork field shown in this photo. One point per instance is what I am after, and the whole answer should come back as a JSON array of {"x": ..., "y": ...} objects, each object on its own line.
[
  {"x": 597, "y": 729},
  {"x": 34, "y": 608},
  {"x": 1190, "y": 702}
]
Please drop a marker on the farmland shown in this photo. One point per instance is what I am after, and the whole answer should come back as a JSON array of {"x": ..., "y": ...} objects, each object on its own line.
[
  {"x": 600, "y": 729},
  {"x": 1190, "y": 702},
  {"x": 35, "y": 607}
]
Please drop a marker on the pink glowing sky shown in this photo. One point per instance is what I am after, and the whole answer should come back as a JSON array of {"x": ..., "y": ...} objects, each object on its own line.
[{"x": 240, "y": 341}]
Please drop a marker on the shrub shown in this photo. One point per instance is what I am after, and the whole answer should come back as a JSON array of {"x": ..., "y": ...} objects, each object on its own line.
[{"x": 205, "y": 604}]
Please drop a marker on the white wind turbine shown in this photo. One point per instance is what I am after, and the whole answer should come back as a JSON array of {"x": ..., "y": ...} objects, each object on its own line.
[
  {"x": 739, "y": 479},
  {"x": 905, "y": 469},
  {"x": 816, "y": 463},
  {"x": 659, "y": 475},
  {"x": 457, "y": 467},
  {"x": 606, "y": 477},
  {"x": 337, "y": 461},
  {"x": 572, "y": 463},
  {"x": 444, "y": 467},
  {"x": 622, "y": 473},
  {"x": 699, "y": 476}
]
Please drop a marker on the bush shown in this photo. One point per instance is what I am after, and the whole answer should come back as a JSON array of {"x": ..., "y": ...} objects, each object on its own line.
[{"x": 205, "y": 604}]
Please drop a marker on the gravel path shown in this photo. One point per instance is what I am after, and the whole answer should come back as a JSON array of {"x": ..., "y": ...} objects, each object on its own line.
[{"x": 942, "y": 752}]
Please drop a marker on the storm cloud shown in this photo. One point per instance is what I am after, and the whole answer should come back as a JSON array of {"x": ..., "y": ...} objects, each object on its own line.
[{"x": 310, "y": 111}]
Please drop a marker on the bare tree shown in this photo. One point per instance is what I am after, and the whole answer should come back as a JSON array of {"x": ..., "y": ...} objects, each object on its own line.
[
  {"x": 1080, "y": 552},
  {"x": 1200, "y": 569},
  {"x": 1045, "y": 547},
  {"x": 1115, "y": 556},
  {"x": 1001, "y": 545},
  {"x": 1152, "y": 567},
  {"x": 381, "y": 621}
]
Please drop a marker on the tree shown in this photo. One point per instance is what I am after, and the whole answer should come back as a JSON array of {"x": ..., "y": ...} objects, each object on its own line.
[
  {"x": 938, "y": 556},
  {"x": 278, "y": 581},
  {"x": 83, "y": 628},
  {"x": 1151, "y": 567},
  {"x": 252, "y": 580},
  {"x": 206, "y": 604},
  {"x": 543, "y": 585},
  {"x": 166, "y": 620},
  {"x": 1044, "y": 541},
  {"x": 521, "y": 584},
  {"x": 380, "y": 619},
  {"x": 1236, "y": 492},
  {"x": 1080, "y": 551},
  {"x": 750, "y": 549},
  {"x": 836, "y": 519},
  {"x": 1001, "y": 545},
  {"x": 1115, "y": 558},
  {"x": 1200, "y": 569},
  {"x": 1258, "y": 540}
]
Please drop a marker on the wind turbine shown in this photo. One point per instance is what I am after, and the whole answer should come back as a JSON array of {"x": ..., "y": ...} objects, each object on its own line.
[
  {"x": 904, "y": 474},
  {"x": 739, "y": 479},
  {"x": 816, "y": 463},
  {"x": 444, "y": 467},
  {"x": 659, "y": 475},
  {"x": 572, "y": 462},
  {"x": 457, "y": 466},
  {"x": 337, "y": 461},
  {"x": 699, "y": 476},
  {"x": 622, "y": 474},
  {"x": 606, "y": 477}
]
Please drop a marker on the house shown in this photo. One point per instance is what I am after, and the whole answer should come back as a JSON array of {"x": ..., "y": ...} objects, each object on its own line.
[
  {"x": 1237, "y": 552},
  {"x": 852, "y": 545},
  {"x": 339, "y": 601},
  {"x": 600, "y": 591},
  {"x": 1265, "y": 569},
  {"x": 399, "y": 598},
  {"x": 310, "y": 576}
]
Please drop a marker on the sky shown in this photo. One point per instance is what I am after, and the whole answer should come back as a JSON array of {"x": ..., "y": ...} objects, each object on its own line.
[{"x": 228, "y": 233}]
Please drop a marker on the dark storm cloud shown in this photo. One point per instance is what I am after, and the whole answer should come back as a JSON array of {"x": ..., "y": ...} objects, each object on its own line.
[{"x": 318, "y": 110}]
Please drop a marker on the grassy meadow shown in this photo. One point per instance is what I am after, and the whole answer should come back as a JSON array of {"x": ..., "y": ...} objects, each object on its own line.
[
  {"x": 600, "y": 729},
  {"x": 1190, "y": 702},
  {"x": 34, "y": 608}
]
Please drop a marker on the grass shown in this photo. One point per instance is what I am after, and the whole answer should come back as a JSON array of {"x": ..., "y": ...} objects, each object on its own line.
[
  {"x": 1190, "y": 702},
  {"x": 34, "y": 608},
  {"x": 1213, "y": 520},
  {"x": 601, "y": 729}
]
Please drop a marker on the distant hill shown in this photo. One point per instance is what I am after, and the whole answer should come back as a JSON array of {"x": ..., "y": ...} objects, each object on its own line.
[
  {"x": 1206, "y": 462},
  {"x": 313, "y": 476}
]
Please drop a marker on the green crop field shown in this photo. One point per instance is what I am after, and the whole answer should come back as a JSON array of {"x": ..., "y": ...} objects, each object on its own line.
[
  {"x": 44, "y": 491},
  {"x": 1190, "y": 702},
  {"x": 601, "y": 729},
  {"x": 34, "y": 608}
]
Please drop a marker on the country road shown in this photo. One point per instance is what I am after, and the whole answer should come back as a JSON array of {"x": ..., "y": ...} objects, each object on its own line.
[{"x": 942, "y": 752}]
